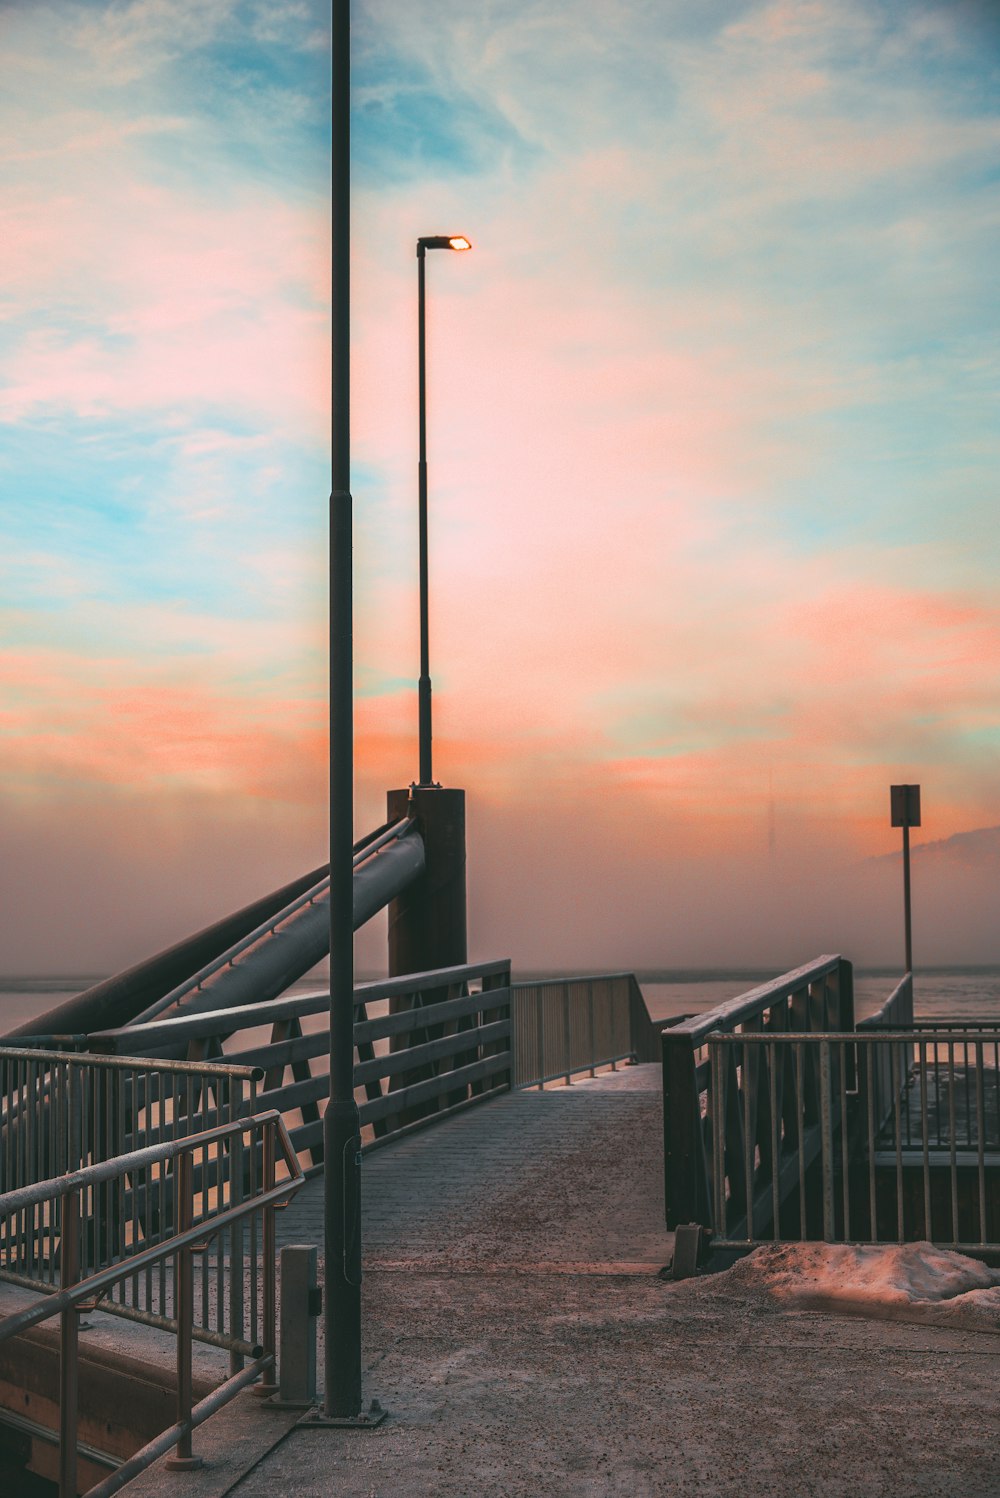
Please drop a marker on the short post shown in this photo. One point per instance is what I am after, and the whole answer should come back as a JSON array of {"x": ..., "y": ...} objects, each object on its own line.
[
  {"x": 183, "y": 1460},
  {"x": 300, "y": 1306},
  {"x": 69, "y": 1273},
  {"x": 905, "y": 808}
]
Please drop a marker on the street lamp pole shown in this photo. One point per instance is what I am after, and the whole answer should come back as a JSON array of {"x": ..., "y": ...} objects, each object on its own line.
[
  {"x": 341, "y": 1131},
  {"x": 429, "y": 242}
]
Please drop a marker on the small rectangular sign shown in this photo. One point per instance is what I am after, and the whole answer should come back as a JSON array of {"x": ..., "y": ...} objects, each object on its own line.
[{"x": 905, "y": 804}]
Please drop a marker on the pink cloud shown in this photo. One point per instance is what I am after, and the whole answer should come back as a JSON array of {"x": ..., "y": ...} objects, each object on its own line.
[{"x": 206, "y": 303}]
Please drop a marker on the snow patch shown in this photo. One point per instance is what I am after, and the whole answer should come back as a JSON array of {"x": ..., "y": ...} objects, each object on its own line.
[{"x": 909, "y": 1281}]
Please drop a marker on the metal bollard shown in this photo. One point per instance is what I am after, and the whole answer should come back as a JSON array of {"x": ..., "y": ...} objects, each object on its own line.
[{"x": 300, "y": 1306}]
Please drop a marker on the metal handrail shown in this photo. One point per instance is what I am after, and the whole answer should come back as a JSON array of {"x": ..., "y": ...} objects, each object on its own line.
[
  {"x": 62, "y": 1112},
  {"x": 133, "y": 1063},
  {"x": 892, "y": 1132},
  {"x": 562, "y": 1027},
  {"x": 68, "y": 1189},
  {"x": 211, "y": 1022},
  {"x": 755, "y": 1000},
  {"x": 225, "y": 959},
  {"x": 897, "y": 1009}
]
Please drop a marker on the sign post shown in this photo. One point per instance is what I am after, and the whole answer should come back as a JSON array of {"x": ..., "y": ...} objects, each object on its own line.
[{"x": 905, "y": 808}]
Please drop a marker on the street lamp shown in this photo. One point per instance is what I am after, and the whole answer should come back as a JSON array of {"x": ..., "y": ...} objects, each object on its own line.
[{"x": 430, "y": 242}]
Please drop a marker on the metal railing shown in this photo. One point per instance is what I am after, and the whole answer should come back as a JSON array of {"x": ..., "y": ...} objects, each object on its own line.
[
  {"x": 896, "y": 1012},
  {"x": 816, "y": 997},
  {"x": 61, "y": 1208},
  {"x": 880, "y": 1136},
  {"x": 425, "y": 1044},
  {"x": 63, "y": 1112},
  {"x": 565, "y": 1026}
]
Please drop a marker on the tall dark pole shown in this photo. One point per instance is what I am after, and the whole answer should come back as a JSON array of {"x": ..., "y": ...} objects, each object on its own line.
[
  {"x": 424, "y": 686},
  {"x": 342, "y": 1132}
]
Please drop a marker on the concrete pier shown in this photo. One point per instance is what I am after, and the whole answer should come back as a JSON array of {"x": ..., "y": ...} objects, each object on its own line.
[{"x": 517, "y": 1331}]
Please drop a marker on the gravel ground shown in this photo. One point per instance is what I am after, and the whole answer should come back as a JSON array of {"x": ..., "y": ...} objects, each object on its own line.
[{"x": 601, "y": 1385}]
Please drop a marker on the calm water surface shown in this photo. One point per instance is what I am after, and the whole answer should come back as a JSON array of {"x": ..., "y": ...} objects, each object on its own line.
[{"x": 971, "y": 993}]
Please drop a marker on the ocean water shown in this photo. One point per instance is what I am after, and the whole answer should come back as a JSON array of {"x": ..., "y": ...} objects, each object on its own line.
[
  {"x": 962, "y": 993},
  {"x": 959, "y": 993}
]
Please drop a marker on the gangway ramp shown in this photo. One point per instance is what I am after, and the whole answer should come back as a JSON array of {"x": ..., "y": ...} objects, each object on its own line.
[{"x": 567, "y": 1179}]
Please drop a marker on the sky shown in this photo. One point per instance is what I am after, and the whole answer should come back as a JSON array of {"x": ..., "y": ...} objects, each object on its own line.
[{"x": 712, "y": 447}]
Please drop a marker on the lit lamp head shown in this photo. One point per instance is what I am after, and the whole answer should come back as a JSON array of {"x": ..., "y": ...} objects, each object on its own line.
[{"x": 442, "y": 242}]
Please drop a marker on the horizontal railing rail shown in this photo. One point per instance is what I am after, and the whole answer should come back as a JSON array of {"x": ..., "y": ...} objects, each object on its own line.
[
  {"x": 897, "y": 1011},
  {"x": 880, "y": 1136},
  {"x": 67, "y": 1202},
  {"x": 818, "y": 996},
  {"x": 440, "y": 1040}
]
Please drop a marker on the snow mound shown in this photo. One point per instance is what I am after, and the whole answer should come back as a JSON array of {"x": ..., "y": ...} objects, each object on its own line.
[{"x": 907, "y": 1281}]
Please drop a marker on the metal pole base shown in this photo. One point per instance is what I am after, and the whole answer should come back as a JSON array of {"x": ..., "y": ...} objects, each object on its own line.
[
  {"x": 184, "y": 1463},
  {"x": 366, "y": 1420}
]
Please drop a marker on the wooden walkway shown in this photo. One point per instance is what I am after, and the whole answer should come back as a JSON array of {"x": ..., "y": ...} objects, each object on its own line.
[{"x": 569, "y": 1178}]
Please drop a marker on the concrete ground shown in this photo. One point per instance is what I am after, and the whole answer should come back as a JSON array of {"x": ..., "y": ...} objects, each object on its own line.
[{"x": 516, "y": 1329}]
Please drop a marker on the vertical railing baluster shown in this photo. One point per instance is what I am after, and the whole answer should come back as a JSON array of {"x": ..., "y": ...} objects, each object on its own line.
[
  {"x": 952, "y": 1142},
  {"x": 826, "y": 1139},
  {"x": 717, "y": 1080},
  {"x": 747, "y": 1071},
  {"x": 896, "y": 1085},
  {"x": 925, "y": 1140},
  {"x": 981, "y": 1140},
  {"x": 69, "y": 1330},
  {"x": 800, "y": 1123},
  {"x": 775, "y": 1141},
  {"x": 845, "y": 1075},
  {"x": 236, "y": 1294},
  {"x": 183, "y": 1458},
  {"x": 270, "y": 1257}
]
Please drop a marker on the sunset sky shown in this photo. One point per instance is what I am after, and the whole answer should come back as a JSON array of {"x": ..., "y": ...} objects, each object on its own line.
[{"x": 713, "y": 451}]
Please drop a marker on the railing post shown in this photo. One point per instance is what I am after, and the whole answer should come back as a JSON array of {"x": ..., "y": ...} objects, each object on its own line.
[
  {"x": 270, "y": 1343},
  {"x": 69, "y": 1263},
  {"x": 718, "y": 1075},
  {"x": 826, "y": 1140},
  {"x": 183, "y": 1460},
  {"x": 567, "y": 1038},
  {"x": 540, "y": 1013},
  {"x": 685, "y": 1169},
  {"x": 236, "y": 1292}
]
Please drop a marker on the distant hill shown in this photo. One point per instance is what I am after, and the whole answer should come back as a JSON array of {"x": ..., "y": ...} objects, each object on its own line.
[{"x": 978, "y": 848}]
